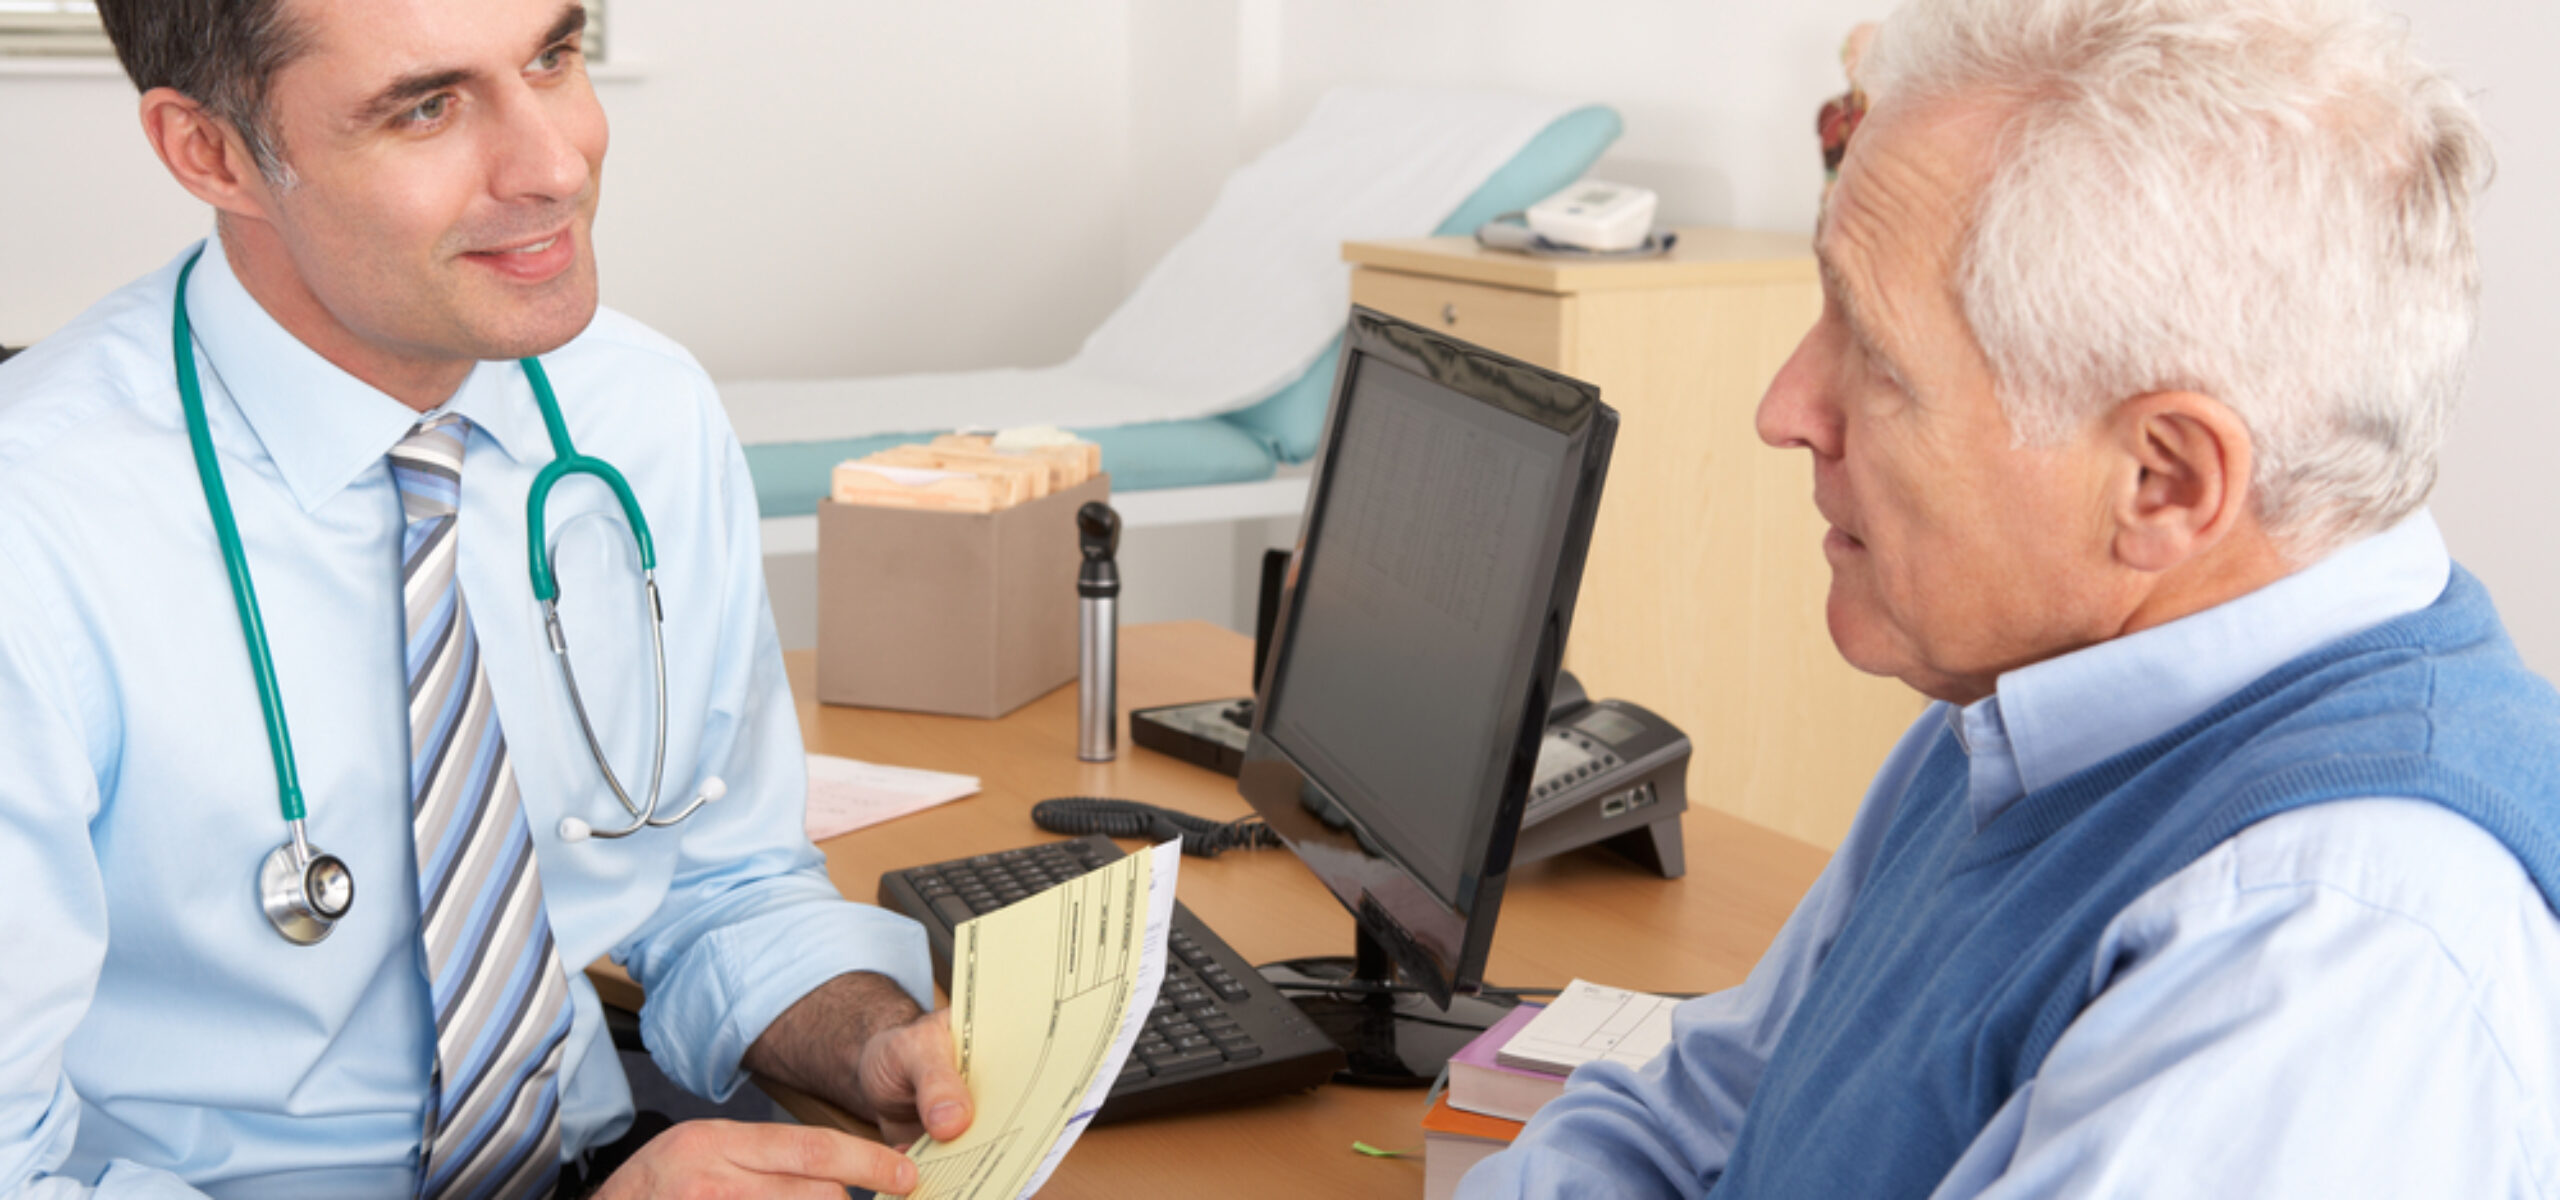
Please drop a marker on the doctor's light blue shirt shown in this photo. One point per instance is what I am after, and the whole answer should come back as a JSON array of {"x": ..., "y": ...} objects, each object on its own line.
[{"x": 157, "y": 1036}]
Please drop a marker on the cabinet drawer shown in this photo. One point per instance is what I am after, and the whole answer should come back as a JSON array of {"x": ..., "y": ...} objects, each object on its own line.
[{"x": 1530, "y": 326}]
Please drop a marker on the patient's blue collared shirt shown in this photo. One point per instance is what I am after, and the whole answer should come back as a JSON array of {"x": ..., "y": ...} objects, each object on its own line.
[
  {"x": 2350, "y": 999},
  {"x": 154, "y": 1028}
]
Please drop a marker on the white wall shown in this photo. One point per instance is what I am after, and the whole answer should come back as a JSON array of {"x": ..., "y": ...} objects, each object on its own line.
[
  {"x": 885, "y": 187},
  {"x": 828, "y": 188},
  {"x": 1718, "y": 96},
  {"x": 84, "y": 206},
  {"x": 837, "y": 188},
  {"x": 2499, "y": 497}
]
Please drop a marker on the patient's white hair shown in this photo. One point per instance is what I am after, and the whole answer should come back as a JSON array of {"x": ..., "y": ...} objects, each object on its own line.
[{"x": 2266, "y": 201}]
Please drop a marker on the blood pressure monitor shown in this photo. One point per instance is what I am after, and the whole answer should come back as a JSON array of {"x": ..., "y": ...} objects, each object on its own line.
[{"x": 1595, "y": 216}]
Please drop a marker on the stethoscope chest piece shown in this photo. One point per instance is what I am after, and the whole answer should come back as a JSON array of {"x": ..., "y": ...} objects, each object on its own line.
[{"x": 304, "y": 891}]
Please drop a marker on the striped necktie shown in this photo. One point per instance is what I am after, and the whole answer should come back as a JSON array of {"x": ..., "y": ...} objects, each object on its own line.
[{"x": 501, "y": 1000}]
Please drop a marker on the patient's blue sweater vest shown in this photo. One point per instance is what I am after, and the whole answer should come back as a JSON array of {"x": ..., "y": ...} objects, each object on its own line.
[{"x": 1968, "y": 953}]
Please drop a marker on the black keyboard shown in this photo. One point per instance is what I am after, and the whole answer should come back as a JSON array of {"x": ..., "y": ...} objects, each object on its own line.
[{"x": 1219, "y": 1033}]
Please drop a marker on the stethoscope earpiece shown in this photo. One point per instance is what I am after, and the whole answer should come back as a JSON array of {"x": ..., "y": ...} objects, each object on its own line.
[{"x": 574, "y": 830}]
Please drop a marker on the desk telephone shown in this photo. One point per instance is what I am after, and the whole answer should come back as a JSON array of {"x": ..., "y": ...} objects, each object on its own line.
[{"x": 1608, "y": 771}]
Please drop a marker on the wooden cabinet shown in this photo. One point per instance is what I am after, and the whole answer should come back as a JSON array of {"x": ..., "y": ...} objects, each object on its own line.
[{"x": 1704, "y": 595}]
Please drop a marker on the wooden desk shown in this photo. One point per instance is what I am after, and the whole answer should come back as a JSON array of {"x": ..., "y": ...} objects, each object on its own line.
[{"x": 1586, "y": 914}]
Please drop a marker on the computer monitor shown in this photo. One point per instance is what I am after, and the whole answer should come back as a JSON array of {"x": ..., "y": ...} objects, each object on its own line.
[{"x": 1403, "y": 704}]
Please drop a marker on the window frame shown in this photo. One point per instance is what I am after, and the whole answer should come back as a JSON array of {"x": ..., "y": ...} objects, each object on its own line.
[{"x": 68, "y": 29}]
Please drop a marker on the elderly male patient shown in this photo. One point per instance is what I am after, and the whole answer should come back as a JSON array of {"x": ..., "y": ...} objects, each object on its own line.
[{"x": 2224, "y": 864}]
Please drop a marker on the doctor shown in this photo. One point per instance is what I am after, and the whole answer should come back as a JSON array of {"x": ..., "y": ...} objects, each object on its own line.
[{"x": 403, "y": 196}]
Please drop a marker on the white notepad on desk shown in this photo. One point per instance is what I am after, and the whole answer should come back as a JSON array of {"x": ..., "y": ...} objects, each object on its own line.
[
  {"x": 1587, "y": 1022},
  {"x": 847, "y": 794}
]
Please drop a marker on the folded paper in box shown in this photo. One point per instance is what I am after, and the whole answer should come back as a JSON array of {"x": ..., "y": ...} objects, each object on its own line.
[{"x": 966, "y": 473}]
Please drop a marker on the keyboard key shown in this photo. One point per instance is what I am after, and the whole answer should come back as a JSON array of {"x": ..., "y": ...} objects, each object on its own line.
[
  {"x": 1240, "y": 1052},
  {"x": 1188, "y": 1061},
  {"x": 952, "y": 909}
]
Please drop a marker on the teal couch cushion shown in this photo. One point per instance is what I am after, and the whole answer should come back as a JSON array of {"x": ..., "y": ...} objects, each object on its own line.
[
  {"x": 791, "y": 477},
  {"x": 1292, "y": 418}
]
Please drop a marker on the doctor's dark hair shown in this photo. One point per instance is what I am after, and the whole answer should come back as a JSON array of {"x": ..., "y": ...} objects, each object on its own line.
[{"x": 222, "y": 54}]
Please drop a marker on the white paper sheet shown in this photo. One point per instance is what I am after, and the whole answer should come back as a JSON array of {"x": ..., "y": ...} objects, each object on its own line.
[
  {"x": 847, "y": 794},
  {"x": 1589, "y": 1021}
]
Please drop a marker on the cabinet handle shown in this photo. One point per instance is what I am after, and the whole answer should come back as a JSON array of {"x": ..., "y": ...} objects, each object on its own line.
[{"x": 1449, "y": 313}]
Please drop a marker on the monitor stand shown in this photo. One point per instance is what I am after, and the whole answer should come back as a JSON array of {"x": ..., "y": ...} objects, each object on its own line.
[{"x": 1391, "y": 1035}]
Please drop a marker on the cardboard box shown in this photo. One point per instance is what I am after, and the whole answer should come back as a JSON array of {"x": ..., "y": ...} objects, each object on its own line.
[{"x": 971, "y": 614}]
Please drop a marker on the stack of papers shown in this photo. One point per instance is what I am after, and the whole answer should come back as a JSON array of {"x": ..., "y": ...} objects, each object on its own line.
[
  {"x": 1588, "y": 1022},
  {"x": 846, "y": 794},
  {"x": 1512, "y": 1069}
]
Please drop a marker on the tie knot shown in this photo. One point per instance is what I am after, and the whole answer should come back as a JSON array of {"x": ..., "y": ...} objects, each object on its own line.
[{"x": 427, "y": 467}]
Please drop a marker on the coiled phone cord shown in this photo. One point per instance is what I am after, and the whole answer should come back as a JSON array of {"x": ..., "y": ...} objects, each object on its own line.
[{"x": 1201, "y": 837}]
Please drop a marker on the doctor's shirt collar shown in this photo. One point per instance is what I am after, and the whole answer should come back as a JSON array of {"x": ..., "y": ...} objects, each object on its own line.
[{"x": 322, "y": 427}]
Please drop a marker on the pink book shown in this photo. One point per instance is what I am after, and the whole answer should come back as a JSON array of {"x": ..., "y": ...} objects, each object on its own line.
[{"x": 1479, "y": 1083}]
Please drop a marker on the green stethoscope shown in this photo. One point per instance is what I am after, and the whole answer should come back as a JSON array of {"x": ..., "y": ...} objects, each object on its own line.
[{"x": 302, "y": 889}]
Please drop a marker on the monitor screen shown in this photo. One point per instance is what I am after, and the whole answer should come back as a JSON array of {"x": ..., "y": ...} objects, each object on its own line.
[{"x": 1420, "y": 628}]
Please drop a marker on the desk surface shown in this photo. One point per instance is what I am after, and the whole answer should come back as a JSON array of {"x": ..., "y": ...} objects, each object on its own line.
[{"x": 1587, "y": 914}]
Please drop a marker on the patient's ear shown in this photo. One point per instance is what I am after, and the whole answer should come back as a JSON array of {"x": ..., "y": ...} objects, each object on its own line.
[{"x": 2184, "y": 486}]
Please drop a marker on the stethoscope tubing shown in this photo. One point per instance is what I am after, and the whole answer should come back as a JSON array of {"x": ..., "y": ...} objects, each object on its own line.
[
  {"x": 285, "y": 888},
  {"x": 244, "y": 593}
]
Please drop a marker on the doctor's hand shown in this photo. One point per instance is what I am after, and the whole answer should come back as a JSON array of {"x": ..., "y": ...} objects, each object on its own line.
[
  {"x": 720, "y": 1160},
  {"x": 859, "y": 1041},
  {"x": 911, "y": 1076}
]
